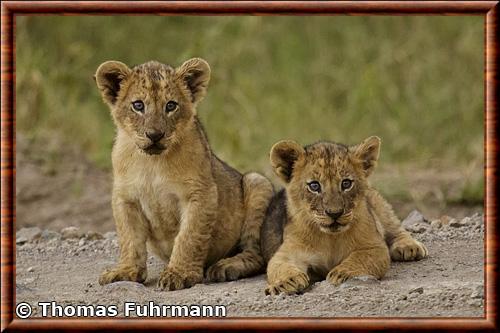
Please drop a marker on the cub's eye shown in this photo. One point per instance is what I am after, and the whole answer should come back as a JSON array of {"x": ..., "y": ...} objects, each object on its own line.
[
  {"x": 138, "y": 106},
  {"x": 346, "y": 184},
  {"x": 314, "y": 186},
  {"x": 171, "y": 106}
]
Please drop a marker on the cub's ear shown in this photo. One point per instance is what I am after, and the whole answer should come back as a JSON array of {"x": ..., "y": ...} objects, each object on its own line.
[
  {"x": 195, "y": 73},
  {"x": 283, "y": 156},
  {"x": 367, "y": 153},
  {"x": 108, "y": 77}
]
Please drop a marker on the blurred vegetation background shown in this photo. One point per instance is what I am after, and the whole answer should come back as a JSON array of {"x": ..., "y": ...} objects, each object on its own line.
[{"x": 417, "y": 82}]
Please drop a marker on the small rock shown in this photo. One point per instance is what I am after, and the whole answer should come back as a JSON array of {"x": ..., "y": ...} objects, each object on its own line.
[
  {"x": 466, "y": 220},
  {"x": 30, "y": 269},
  {"x": 81, "y": 242},
  {"x": 30, "y": 234},
  {"x": 418, "y": 228},
  {"x": 478, "y": 292},
  {"x": 21, "y": 288},
  {"x": 419, "y": 290},
  {"x": 21, "y": 240},
  {"x": 456, "y": 224},
  {"x": 475, "y": 302},
  {"x": 49, "y": 235},
  {"x": 71, "y": 232},
  {"x": 93, "y": 235},
  {"x": 110, "y": 235},
  {"x": 436, "y": 224},
  {"x": 413, "y": 218}
]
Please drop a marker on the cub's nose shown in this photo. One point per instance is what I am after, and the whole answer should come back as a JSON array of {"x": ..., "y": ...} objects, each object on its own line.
[
  {"x": 155, "y": 136},
  {"x": 334, "y": 215}
]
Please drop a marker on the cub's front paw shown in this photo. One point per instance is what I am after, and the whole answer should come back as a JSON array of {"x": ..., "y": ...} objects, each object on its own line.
[
  {"x": 290, "y": 285},
  {"x": 339, "y": 275},
  {"x": 173, "y": 279},
  {"x": 123, "y": 273},
  {"x": 223, "y": 270},
  {"x": 408, "y": 249}
]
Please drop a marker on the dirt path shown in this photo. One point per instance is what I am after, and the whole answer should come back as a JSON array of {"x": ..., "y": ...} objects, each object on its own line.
[
  {"x": 448, "y": 283},
  {"x": 57, "y": 187}
]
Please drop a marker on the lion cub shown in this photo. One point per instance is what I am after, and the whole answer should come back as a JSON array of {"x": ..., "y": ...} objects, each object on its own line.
[
  {"x": 329, "y": 222},
  {"x": 170, "y": 191}
]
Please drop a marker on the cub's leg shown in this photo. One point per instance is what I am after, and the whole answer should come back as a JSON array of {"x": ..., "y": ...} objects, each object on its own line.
[
  {"x": 257, "y": 191},
  {"x": 374, "y": 261},
  {"x": 286, "y": 273},
  {"x": 191, "y": 244},
  {"x": 402, "y": 246},
  {"x": 132, "y": 230}
]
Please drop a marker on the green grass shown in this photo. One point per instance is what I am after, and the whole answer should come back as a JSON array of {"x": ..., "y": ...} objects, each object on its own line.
[{"x": 417, "y": 82}]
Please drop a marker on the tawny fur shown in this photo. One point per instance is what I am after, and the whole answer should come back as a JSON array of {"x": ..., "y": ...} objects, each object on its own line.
[
  {"x": 303, "y": 242},
  {"x": 193, "y": 211}
]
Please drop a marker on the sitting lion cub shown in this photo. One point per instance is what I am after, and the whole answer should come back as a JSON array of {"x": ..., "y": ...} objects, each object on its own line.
[
  {"x": 170, "y": 190},
  {"x": 330, "y": 222}
]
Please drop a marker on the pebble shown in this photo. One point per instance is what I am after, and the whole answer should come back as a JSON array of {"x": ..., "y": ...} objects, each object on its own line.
[
  {"x": 475, "y": 302},
  {"x": 418, "y": 228},
  {"x": 92, "y": 235},
  {"x": 71, "y": 232},
  {"x": 478, "y": 292},
  {"x": 48, "y": 235},
  {"x": 456, "y": 224},
  {"x": 413, "y": 218},
  {"x": 436, "y": 224},
  {"x": 110, "y": 235},
  {"x": 24, "y": 235},
  {"x": 21, "y": 240},
  {"x": 418, "y": 290},
  {"x": 21, "y": 288},
  {"x": 30, "y": 269}
]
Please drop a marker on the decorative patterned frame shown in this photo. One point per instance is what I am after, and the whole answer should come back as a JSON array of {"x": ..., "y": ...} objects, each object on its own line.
[{"x": 10, "y": 9}]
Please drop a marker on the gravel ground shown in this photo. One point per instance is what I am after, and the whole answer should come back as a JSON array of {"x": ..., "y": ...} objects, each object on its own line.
[{"x": 64, "y": 267}]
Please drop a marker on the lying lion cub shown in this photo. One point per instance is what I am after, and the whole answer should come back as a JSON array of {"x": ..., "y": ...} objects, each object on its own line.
[
  {"x": 330, "y": 222},
  {"x": 170, "y": 191}
]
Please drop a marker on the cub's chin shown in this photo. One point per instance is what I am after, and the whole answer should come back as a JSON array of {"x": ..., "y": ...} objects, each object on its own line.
[
  {"x": 154, "y": 149},
  {"x": 331, "y": 227}
]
